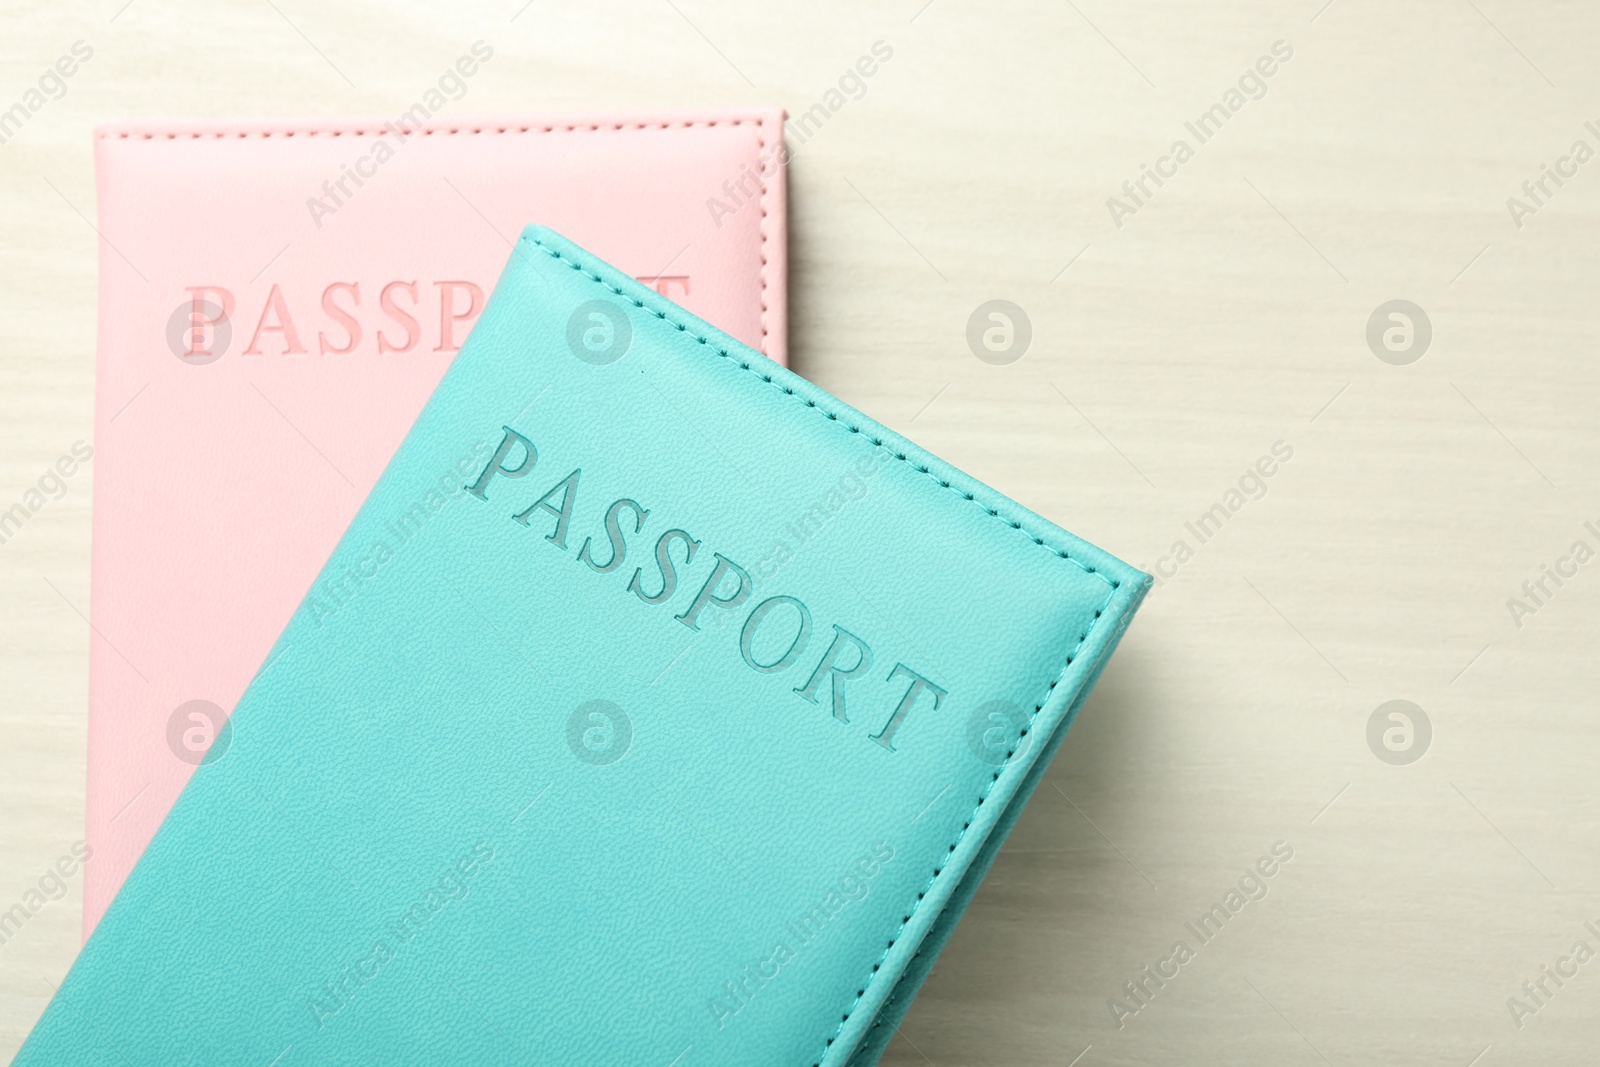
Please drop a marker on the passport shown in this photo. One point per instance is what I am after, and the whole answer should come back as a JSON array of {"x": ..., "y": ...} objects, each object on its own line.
[
  {"x": 277, "y": 302},
  {"x": 569, "y": 776}
]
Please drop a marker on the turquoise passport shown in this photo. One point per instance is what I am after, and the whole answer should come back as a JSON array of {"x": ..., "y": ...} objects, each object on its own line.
[{"x": 656, "y": 708}]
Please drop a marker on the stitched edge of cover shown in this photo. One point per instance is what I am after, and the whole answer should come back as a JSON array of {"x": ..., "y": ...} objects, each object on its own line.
[
  {"x": 1114, "y": 585},
  {"x": 558, "y": 255},
  {"x": 972, "y": 817},
  {"x": 761, "y": 155},
  {"x": 1124, "y": 618},
  {"x": 480, "y": 128}
]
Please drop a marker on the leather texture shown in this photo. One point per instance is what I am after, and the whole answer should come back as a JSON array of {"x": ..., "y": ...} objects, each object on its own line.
[
  {"x": 221, "y": 485},
  {"x": 517, "y": 796}
]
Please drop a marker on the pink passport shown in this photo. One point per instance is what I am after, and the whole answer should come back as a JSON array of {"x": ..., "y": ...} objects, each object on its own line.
[{"x": 277, "y": 301}]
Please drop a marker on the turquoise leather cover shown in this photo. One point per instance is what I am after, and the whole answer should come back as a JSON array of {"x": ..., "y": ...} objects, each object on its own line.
[{"x": 656, "y": 708}]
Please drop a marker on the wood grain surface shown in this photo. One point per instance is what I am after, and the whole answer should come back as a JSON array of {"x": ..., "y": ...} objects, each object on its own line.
[{"x": 1176, "y": 340}]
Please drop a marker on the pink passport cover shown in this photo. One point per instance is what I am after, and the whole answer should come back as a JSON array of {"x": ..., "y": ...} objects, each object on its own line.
[{"x": 344, "y": 283}]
